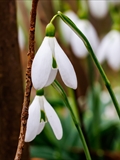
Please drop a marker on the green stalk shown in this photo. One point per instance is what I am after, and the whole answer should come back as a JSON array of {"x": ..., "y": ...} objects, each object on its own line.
[
  {"x": 58, "y": 87},
  {"x": 90, "y": 50}
]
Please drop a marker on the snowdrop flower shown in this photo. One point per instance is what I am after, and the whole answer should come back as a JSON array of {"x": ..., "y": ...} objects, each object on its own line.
[
  {"x": 98, "y": 8},
  {"x": 70, "y": 37},
  {"x": 65, "y": 29},
  {"x": 76, "y": 43},
  {"x": 41, "y": 112},
  {"x": 48, "y": 60},
  {"x": 109, "y": 49}
]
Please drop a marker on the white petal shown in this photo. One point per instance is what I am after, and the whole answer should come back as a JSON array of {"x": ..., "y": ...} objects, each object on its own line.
[
  {"x": 42, "y": 123},
  {"x": 77, "y": 44},
  {"x": 113, "y": 57},
  {"x": 92, "y": 35},
  {"x": 41, "y": 127},
  {"x": 41, "y": 66},
  {"x": 109, "y": 49},
  {"x": 33, "y": 120},
  {"x": 52, "y": 76},
  {"x": 51, "y": 44},
  {"x": 41, "y": 102},
  {"x": 53, "y": 120},
  {"x": 103, "y": 49},
  {"x": 98, "y": 8},
  {"x": 53, "y": 71},
  {"x": 65, "y": 67}
]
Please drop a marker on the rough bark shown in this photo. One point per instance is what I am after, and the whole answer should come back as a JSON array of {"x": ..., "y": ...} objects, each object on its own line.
[
  {"x": 11, "y": 86},
  {"x": 30, "y": 56}
]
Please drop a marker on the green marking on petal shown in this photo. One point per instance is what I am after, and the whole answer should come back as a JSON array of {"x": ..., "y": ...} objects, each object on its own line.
[
  {"x": 54, "y": 64},
  {"x": 43, "y": 117},
  {"x": 40, "y": 92},
  {"x": 50, "y": 30}
]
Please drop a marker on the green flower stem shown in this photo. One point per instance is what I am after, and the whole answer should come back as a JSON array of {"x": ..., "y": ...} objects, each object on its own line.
[
  {"x": 57, "y": 86},
  {"x": 53, "y": 18},
  {"x": 90, "y": 50}
]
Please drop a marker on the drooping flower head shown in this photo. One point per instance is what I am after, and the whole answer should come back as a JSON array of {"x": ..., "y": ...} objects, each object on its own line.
[
  {"x": 89, "y": 31},
  {"x": 41, "y": 112},
  {"x": 48, "y": 60},
  {"x": 99, "y": 8},
  {"x": 109, "y": 49},
  {"x": 73, "y": 40},
  {"x": 65, "y": 30}
]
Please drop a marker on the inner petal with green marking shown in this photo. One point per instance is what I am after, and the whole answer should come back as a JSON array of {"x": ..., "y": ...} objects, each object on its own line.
[
  {"x": 43, "y": 117},
  {"x": 54, "y": 64}
]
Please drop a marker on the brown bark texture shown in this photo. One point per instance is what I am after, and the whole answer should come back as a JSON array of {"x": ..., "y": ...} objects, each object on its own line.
[
  {"x": 11, "y": 85},
  {"x": 26, "y": 101}
]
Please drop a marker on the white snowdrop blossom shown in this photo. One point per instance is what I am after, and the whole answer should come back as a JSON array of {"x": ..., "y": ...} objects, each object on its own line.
[
  {"x": 109, "y": 49},
  {"x": 77, "y": 44},
  {"x": 48, "y": 60},
  {"x": 98, "y": 8},
  {"x": 71, "y": 38},
  {"x": 41, "y": 112},
  {"x": 65, "y": 29}
]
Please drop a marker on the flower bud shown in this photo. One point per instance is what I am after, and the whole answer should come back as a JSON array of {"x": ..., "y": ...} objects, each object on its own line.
[{"x": 50, "y": 30}]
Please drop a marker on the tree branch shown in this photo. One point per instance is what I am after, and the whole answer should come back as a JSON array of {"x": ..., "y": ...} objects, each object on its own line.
[{"x": 30, "y": 56}]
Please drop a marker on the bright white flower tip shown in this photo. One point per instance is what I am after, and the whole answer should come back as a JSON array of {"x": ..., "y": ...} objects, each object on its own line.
[
  {"x": 33, "y": 120},
  {"x": 98, "y": 8},
  {"x": 53, "y": 120},
  {"x": 65, "y": 30},
  {"x": 109, "y": 49},
  {"x": 43, "y": 74},
  {"x": 88, "y": 30},
  {"x": 35, "y": 125},
  {"x": 65, "y": 67}
]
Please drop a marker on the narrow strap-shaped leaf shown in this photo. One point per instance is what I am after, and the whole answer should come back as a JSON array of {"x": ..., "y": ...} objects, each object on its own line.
[
  {"x": 61, "y": 91},
  {"x": 90, "y": 50}
]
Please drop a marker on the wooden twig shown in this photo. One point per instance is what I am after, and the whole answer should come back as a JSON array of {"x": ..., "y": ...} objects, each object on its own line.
[{"x": 30, "y": 56}]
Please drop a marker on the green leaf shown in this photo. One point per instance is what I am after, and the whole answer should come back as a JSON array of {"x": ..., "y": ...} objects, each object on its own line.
[
  {"x": 110, "y": 131},
  {"x": 77, "y": 125},
  {"x": 48, "y": 153}
]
